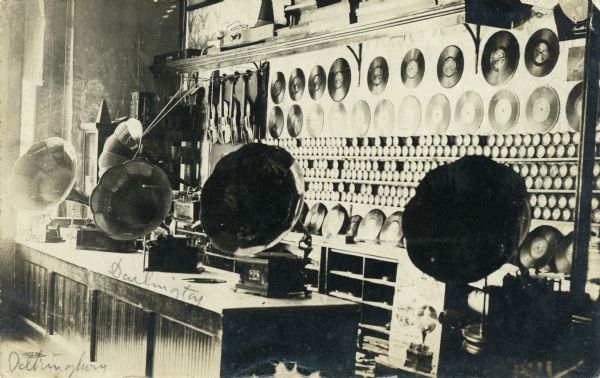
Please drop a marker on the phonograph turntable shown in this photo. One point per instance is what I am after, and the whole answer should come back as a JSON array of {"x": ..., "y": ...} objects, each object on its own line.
[{"x": 253, "y": 198}]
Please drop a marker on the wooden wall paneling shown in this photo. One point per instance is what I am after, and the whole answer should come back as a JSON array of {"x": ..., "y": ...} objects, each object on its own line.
[
  {"x": 32, "y": 284},
  {"x": 121, "y": 336},
  {"x": 184, "y": 351},
  {"x": 71, "y": 310}
]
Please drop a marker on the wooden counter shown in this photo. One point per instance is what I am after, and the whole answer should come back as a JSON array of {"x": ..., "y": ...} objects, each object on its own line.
[{"x": 161, "y": 324}]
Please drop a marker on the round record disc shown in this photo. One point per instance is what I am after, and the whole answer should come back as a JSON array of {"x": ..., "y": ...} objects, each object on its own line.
[
  {"x": 278, "y": 88},
  {"x": 339, "y": 80},
  {"x": 437, "y": 114},
  {"x": 297, "y": 84},
  {"x": 412, "y": 68},
  {"x": 370, "y": 226},
  {"x": 314, "y": 120},
  {"x": 316, "y": 82},
  {"x": 353, "y": 224},
  {"x": 450, "y": 66},
  {"x": 564, "y": 254},
  {"x": 575, "y": 107},
  {"x": 335, "y": 222},
  {"x": 378, "y": 75},
  {"x": 384, "y": 118},
  {"x": 314, "y": 218},
  {"x": 361, "y": 118},
  {"x": 275, "y": 122},
  {"x": 503, "y": 112},
  {"x": 500, "y": 58},
  {"x": 337, "y": 119},
  {"x": 409, "y": 116},
  {"x": 391, "y": 231},
  {"x": 541, "y": 52},
  {"x": 539, "y": 247},
  {"x": 469, "y": 112},
  {"x": 542, "y": 110},
  {"x": 294, "y": 121}
]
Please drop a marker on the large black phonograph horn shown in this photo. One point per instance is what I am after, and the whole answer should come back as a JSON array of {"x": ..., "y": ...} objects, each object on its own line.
[
  {"x": 252, "y": 199},
  {"x": 466, "y": 219},
  {"x": 45, "y": 176}
]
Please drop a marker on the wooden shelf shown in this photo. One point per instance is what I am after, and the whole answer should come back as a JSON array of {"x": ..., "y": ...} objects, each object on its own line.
[
  {"x": 372, "y": 250},
  {"x": 354, "y": 181},
  {"x": 380, "y": 282},
  {"x": 381, "y": 305},
  {"x": 445, "y": 15},
  {"x": 349, "y": 297},
  {"x": 354, "y": 276},
  {"x": 375, "y": 328},
  {"x": 435, "y": 158}
]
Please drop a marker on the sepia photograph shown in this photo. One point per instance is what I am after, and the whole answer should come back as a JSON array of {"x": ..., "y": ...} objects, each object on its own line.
[{"x": 299, "y": 188}]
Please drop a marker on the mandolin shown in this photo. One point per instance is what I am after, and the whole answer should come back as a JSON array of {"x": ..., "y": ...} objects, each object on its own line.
[{"x": 212, "y": 131}]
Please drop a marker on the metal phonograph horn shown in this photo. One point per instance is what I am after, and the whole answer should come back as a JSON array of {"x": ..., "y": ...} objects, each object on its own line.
[
  {"x": 133, "y": 196},
  {"x": 45, "y": 176},
  {"x": 252, "y": 199}
]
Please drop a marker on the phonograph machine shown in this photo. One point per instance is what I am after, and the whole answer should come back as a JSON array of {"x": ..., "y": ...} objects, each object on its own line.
[{"x": 250, "y": 202}]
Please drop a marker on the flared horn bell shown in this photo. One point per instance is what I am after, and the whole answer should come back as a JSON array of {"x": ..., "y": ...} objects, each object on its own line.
[
  {"x": 252, "y": 199},
  {"x": 121, "y": 145},
  {"x": 45, "y": 176},
  {"x": 131, "y": 199}
]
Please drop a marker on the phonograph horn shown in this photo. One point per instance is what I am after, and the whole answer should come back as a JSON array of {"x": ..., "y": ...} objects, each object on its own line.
[
  {"x": 252, "y": 199},
  {"x": 466, "y": 219},
  {"x": 132, "y": 197},
  {"x": 121, "y": 146},
  {"x": 45, "y": 176}
]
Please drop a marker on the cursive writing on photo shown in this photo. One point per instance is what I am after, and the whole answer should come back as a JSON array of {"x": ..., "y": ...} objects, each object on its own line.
[
  {"x": 39, "y": 362},
  {"x": 146, "y": 279}
]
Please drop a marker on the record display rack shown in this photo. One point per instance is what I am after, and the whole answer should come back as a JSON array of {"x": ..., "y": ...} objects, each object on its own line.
[{"x": 372, "y": 159}]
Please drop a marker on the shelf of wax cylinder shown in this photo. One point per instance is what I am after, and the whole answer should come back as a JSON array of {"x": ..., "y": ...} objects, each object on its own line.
[{"x": 386, "y": 171}]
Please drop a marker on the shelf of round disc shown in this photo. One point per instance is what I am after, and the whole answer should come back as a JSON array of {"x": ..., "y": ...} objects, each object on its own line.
[
  {"x": 375, "y": 328},
  {"x": 551, "y": 191},
  {"x": 536, "y": 160},
  {"x": 381, "y": 305},
  {"x": 368, "y": 182},
  {"x": 370, "y": 249},
  {"x": 380, "y": 158},
  {"x": 380, "y": 282},
  {"x": 557, "y": 224},
  {"x": 355, "y": 206},
  {"x": 350, "y": 297},
  {"x": 354, "y": 276}
]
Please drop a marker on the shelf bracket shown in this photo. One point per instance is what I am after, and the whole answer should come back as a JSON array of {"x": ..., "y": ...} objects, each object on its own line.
[
  {"x": 476, "y": 35},
  {"x": 358, "y": 57}
]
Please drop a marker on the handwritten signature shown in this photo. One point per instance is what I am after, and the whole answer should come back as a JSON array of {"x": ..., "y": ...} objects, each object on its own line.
[
  {"x": 188, "y": 293},
  {"x": 37, "y": 362}
]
